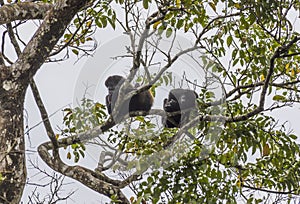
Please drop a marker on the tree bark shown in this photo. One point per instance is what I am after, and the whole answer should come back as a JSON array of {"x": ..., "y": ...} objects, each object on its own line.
[
  {"x": 12, "y": 156},
  {"x": 23, "y": 11}
]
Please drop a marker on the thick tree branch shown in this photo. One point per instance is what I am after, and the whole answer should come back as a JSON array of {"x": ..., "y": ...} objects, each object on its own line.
[
  {"x": 96, "y": 181},
  {"x": 23, "y": 11}
]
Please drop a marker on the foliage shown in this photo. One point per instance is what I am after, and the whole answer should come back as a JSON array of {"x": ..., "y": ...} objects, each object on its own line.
[
  {"x": 81, "y": 119},
  {"x": 257, "y": 153},
  {"x": 81, "y": 32},
  {"x": 1, "y": 178},
  {"x": 255, "y": 47}
]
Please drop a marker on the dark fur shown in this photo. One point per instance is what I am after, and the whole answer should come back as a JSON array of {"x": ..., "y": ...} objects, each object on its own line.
[
  {"x": 182, "y": 101},
  {"x": 139, "y": 102}
]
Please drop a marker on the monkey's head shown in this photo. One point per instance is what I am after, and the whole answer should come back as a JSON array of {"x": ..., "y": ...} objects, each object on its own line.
[
  {"x": 187, "y": 99},
  {"x": 114, "y": 81},
  {"x": 181, "y": 99}
]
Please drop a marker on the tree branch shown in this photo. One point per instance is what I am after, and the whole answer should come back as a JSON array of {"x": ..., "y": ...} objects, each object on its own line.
[
  {"x": 45, "y": 38},
  {"x": 23, "y": 11},
  {"x": 96, "y": 181},
  {"x": 44, "y": 116}
]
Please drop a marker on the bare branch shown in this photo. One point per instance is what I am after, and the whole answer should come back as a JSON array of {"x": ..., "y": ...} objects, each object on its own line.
[
  {"x": 44, "y": 116},
  {"x": 45, "y": 38},
  {"x": 96, "y": 181}
]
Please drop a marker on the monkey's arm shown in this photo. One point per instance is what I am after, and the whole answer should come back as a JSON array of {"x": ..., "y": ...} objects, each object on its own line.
[{"x": 108, "y": 103}]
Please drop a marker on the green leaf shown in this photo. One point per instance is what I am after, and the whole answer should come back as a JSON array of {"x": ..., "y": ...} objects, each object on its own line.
[
  {"x": 166, "y": 80},
  {"x": 186, "y": 27},
  {"x": 235, "y": 62},
  {"x": 179, "y": 23},
  {"x": 169, "y": 32},
  {"x": 292, "y": 136},
  {"x": 112, "y": 23},
  {"x": 229, "y": 40},
  {"x": 68, "y": 155},
  {"x": 103, "y": 21},
  {"x": 234, "y": 53},
  {"x": 98, "y": 23},
  {"x": 82, "y": 153},
  {"x": 76, "y": 52},
  {"x": 145, "y": 4},
  {"x": 279, "y": 98},
  {"x": 161, "y": 29},
  {"x": 252, "y": 18},
  {"x": 212, "y": 5}
]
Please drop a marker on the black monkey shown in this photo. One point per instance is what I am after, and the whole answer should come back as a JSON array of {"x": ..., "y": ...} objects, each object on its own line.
[
  {"x": 179, "y": 104},
  {"x": 142, "y": 101}
]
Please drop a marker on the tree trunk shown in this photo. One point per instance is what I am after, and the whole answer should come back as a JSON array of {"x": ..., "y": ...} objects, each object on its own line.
[{"x": 12, "y": 156}]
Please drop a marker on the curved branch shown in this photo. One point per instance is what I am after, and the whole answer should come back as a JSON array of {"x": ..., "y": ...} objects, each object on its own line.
[
  {"x": 23, "y": 11},
  {"x": 96, "y": 181}
]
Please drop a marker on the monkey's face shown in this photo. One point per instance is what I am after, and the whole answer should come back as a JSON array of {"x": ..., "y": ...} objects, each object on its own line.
[
  {"x": 171, "y": 105},
  {"x": 181, "y": 102},
  {"x": 114, "y": 82}
]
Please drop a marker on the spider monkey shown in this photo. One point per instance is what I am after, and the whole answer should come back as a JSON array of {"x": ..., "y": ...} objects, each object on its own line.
[
  {"x": 180, "y": 103},
  {"x": 142, "y": 101}
]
